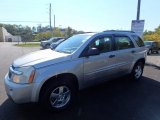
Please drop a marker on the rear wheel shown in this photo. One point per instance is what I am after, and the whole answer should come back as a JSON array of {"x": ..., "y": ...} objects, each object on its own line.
[
  {"x": 58, "y": 95},
  {"x": 149, "y": 52},
  {"x": 137, "y": 71}
]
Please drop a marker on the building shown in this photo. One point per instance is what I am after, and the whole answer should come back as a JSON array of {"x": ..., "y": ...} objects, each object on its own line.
[{"x": 7, "y": 37}]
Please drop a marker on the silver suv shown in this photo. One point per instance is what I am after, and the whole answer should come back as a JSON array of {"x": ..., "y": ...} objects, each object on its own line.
[{"x": 53, "y": 77}]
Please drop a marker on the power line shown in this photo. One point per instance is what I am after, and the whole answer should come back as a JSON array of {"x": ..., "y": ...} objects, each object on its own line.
[{"x": 25, "y": 21}]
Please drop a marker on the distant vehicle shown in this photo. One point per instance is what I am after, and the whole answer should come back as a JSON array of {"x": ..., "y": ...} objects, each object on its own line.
[
  {"x": 152, "y": 47},
  {"x": 46, "y": 44},
  {"x": 55, "y": 44}
]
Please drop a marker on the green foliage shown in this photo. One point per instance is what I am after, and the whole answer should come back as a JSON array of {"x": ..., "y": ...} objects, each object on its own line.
[
  {"x": 43, "y": 36},
  {"x": 57, "y": 33},
  {"x": 28, "y": 45},
  {"x": 38, "y": 33},
  {"x": 153, "y": 35},
  {"x": 69, "y": 32},
  {"x": 24, "y": 31}
]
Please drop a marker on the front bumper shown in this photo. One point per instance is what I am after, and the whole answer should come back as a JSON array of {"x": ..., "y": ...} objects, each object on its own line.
[{"x": 19, "y": 93}]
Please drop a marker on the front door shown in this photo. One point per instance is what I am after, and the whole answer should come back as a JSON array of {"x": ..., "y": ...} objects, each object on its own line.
[{"x": 96, "y": 67}]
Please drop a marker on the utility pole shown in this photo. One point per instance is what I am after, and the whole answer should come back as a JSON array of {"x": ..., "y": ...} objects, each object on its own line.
[
  {"x": 50, "y": 16},
  {"x": 54, "y": 22},
  {"x": 138, "y": 9},
  {"x": 138, "y": 25}
]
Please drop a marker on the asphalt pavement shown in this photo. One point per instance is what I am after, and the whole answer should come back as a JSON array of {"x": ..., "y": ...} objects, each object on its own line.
[{"x": 119, "y": 99}]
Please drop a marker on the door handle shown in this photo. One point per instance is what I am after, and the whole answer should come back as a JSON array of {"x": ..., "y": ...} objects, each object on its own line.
[
  {"x": 133, "y": 51},
  {"x": 111, "y": 56}
]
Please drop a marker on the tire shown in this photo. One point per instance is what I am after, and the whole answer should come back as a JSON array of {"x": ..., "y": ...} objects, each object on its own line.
[
  {"x": 137, "y": 71},
  {"x": 58, "y": 95},
  {"x": 157, "y": 52},
  {"x": 47, "y": 46},
  {"x": 149, "y": 52}
]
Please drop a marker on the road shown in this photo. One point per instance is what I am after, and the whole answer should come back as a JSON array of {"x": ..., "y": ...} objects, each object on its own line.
[{"x": 119, "y": 99}]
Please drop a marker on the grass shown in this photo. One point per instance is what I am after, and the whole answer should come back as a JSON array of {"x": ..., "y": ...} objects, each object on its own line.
[{"x": 28, "y": 44}]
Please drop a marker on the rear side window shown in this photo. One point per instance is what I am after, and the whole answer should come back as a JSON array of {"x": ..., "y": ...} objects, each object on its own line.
[
  {"x": 123, "y": 42},
  {"x": 138, "y": 40}
]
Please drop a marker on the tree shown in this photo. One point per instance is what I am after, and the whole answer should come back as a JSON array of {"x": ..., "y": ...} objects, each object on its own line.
[
  {"x": 43, "y": 36},
  {"x": 153, "y": 35},
  {"x": 26, "y": 34},
  {"x": 34, "y": 30},
  {"x": 57, "y": 33},
  {"x": 39, "y": 28},
  {"x": 69, "y": 32}
]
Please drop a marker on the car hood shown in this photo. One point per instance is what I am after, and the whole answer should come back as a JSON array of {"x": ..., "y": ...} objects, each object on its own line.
[
  {"x": 44, "y": 41},
  {"x": 41, "y": 58}
]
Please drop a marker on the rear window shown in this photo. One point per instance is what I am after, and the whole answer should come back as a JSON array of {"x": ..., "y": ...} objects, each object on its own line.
[
  {"x": 138, "y": 40},
  {"x": 123, "y": 42}
]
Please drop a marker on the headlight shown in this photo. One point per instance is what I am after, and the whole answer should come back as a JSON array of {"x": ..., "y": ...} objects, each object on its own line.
[{"x": 23, "y": 75}]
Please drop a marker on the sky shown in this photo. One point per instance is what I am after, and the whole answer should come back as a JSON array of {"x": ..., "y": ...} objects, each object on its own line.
[{"x": 86, "y": 15}]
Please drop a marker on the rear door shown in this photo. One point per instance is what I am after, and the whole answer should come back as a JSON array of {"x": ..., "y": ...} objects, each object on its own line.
[{"x": 124, "y": 52}]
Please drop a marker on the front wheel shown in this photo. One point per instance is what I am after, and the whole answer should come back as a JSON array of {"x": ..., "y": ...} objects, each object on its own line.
[
  {"x": 47, "y": 46},
  {"x": 149, "y": 52},
  {"x": 157, "y": 52},
  {"x": 58, "y": 95},
  {"x": 137, "y": 71}
]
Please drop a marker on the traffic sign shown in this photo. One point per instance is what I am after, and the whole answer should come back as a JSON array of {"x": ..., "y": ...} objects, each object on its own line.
[{"x": 138, "y": 27}]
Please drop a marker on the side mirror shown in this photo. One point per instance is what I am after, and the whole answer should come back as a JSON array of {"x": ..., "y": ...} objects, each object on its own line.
[{"x": 92, "y": 52}]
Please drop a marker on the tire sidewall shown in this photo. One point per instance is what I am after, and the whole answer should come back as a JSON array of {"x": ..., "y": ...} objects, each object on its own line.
[
  {"x": 133, "y": 71},
  {"x": 45, "y": 99},
  {"x": 150, "y": 52}
]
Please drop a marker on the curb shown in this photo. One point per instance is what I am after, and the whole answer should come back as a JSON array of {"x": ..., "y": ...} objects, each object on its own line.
[{"x": 151, "y": 64}]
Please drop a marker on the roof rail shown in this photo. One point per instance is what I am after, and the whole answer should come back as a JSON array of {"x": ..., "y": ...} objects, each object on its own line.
[
  {"x": 87, "y": 32},
  {"x": 118, "y": 31}
]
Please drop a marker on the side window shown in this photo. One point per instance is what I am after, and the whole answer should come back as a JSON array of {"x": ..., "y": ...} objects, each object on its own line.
[
  {"x": 123, "y": 42},
  {"x": 103, "y": 44},
  {"x": 138, "y": 40},
  {"x": 154, "y": 44}
]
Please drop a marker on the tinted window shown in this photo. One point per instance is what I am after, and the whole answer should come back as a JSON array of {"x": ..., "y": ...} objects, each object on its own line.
[
  {"x": 155, "y": 44},
  {"x": 147, "y": 43},
  {"x": 103, "y": 44},
  {"x": 138, "y": 40},
  {"x": 123, "y": 42}
]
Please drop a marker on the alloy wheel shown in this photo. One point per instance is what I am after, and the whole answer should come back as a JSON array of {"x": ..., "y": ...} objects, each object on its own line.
[{"x": 60, "y": 97}]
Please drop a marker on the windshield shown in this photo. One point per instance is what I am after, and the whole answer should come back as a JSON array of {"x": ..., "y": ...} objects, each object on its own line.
[{"x": 72, "y": 43}]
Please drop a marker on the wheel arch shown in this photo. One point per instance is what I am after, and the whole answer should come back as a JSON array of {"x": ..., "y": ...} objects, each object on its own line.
[
  {"x": 74, "y": 80},
  {"x": 134, "y": 63},
  {"x": 141, "y": 60}
]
